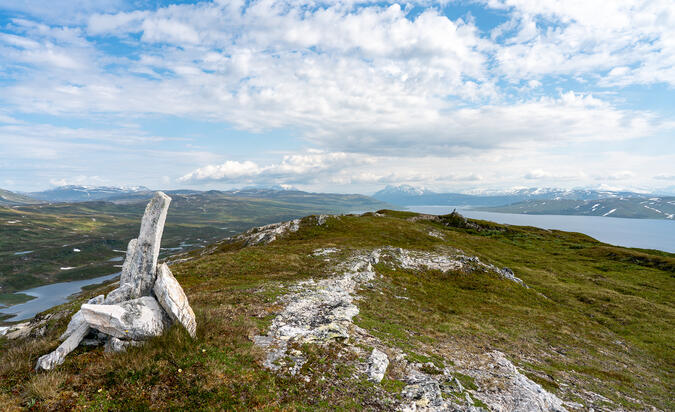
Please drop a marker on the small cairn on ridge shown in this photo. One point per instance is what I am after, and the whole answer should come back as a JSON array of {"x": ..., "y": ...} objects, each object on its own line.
[{"x": 145, "y": 304}]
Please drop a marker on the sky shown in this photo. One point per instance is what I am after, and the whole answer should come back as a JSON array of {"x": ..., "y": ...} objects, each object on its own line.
[{"x": 338, "y": 96}]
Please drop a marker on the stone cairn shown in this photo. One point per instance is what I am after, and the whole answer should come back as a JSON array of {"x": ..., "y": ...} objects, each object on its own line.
[{"x": 144, "y": 305}]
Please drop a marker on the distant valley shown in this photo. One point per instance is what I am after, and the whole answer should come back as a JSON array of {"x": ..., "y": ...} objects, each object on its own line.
[{"x": 42, "y": 243}]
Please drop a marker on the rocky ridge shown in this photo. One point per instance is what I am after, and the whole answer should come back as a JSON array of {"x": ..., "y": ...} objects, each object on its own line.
[
  {"x": 321, "y": 312},
  {"x": 144, "y": 305}
]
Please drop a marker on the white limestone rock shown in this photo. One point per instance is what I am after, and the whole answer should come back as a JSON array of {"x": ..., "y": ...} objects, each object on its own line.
[
  {"x": 78, "y": 320},
  {"x": 18, "y": 331},
  {"x": 50, "y": 360},
  {"x": 377, "y": 365},
  {"x": 515, "y": 392},
  {"x": 171, "y": 297},
  {"x": 139, "y": 268},
  {"x": 136, "y": 319},
  {"x": 269, "y": 233},
  {"x": 122, "y": 293}
]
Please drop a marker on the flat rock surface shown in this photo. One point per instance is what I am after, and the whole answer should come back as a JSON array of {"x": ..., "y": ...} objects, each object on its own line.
[{"x": 136, "y": 319}]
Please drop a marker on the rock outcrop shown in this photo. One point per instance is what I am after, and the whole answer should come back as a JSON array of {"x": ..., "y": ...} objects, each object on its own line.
[
  {"x": 143, "y": 306},
  {"x": 377, "y": 365},
  {"x": 321, "y": 312}
]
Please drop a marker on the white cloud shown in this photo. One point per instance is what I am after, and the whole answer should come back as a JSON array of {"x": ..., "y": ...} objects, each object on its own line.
[
  {"x": 386, "y": 97},
  {"x": 576, "y": 37},
  {"x": 619, "y": 175},
  {"x": 305, "y": 167},
  {"x": 230, "y": 170},
  {"x": 80, "y": 180}
]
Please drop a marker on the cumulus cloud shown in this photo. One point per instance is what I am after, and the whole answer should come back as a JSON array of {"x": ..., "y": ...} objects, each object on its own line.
[
  {"x": 379, "y": 90},
  {"x": 629, "y": 40},
  {"x": 296, "y": 168},
  {"x": 620, "y": 175}
]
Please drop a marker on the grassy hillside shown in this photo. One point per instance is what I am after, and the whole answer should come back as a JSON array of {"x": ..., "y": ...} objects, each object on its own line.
[
  {"x": 596, "y": 325},
  {"x": 636, "y": 208},
  {"x": 36, "y": 241}
]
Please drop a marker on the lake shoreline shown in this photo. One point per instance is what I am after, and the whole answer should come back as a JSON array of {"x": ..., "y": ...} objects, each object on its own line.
[
  {"x": 48, "y": 296},
  {"x": 655, "y": 234}
]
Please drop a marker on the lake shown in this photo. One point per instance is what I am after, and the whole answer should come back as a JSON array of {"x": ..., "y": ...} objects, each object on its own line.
[
  {"x": 49, "y": 296},
  {"x": 640, "y": 233}
]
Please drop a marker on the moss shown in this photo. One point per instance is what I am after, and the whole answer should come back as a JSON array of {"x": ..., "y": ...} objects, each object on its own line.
[
  {"x": 467, "y": 381},
  {"x": 392, "y": 385}
]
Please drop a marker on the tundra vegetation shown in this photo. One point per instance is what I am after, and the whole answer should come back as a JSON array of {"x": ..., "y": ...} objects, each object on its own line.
[{"x": 595, "y": 325}]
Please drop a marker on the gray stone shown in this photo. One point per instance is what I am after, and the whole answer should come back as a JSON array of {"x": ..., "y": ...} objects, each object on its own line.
[
  {"x": 18, "y": 331},
  {"x": 57, "y": 357},
  {"x": 422, "y": 391},
  {"x": 509, "y": 389},
  {"x": 78, "y": 320},
  {"x": 377, "y": 365},
  {"x": 139, "y": 268},
  {"x": 136, "y": 319},
  {"x": 171, "y": 297},
  {"x": 122, "y": 293},
  {"x": 269, "y": 233},
  {"x": 118, "y": 345}
]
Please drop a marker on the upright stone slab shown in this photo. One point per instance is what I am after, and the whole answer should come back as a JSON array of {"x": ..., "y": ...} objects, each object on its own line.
[
  {"x": 125, "y": 277},
  {"x": 142, "y": 257},
  {"x": 171, "y": 297},
  {"x": 136, "y": 319}
]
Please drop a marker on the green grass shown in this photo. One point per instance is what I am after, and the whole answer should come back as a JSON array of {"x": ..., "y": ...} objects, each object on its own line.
[
  {"x": 596, "y": 317},
  {"x": 8, "y": 299}
]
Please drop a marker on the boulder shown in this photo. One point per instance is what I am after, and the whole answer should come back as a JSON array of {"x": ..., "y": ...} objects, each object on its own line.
[
  {"x": 377, "y": 365},
  {"x": 139, "y": 268},
  {"x": 78, "y": 320},
  {"x": 136, "y": 319},
  {"x": 18, "y": 331},
  {"x": 171, "y": 297}
]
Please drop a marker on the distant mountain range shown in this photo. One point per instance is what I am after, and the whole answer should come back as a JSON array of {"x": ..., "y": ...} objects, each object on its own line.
[
  {"x": 523, "y": 201},
  {"x": 73, "y": 193},
  {"x": 405, "y": 195},
  {"x": 549, "y": 201},
  {"x": 8, "y": 198},
  {"x": 128, "y": 195},
  {"x": 630, "y": 207}
]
